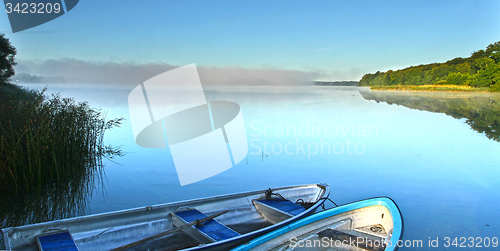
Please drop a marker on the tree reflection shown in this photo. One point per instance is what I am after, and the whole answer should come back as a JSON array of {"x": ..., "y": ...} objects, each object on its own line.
[{"x": 481, "y": 110}]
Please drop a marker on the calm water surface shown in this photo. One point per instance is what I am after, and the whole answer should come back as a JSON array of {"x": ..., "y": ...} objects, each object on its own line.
[{"x": 443, "y": 175}]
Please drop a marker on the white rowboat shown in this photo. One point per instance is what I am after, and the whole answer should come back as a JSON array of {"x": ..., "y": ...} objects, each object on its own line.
[
  {"x": 373, "y": 224},
  {"x": 248, "y": 216}
]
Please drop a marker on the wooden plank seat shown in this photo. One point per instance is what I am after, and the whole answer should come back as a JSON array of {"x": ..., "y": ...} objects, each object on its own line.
[
  {"x": 284, "y": 205},
  {"x": 210, "y": 231},
  {"x": 60, "y": 241}
]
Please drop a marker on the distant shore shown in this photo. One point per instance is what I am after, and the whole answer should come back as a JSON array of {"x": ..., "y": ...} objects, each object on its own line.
[
  {"x": 336, "y": 83},
  {"x": 448, "y": 88}
]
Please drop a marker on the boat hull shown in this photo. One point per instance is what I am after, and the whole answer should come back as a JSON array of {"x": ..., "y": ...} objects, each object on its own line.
[
  {"x": 377, "y": 219},
  {"x": 114, "y": 229}
]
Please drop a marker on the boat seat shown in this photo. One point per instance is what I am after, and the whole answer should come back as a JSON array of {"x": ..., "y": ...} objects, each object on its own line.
[
  {"x": 356, "y": 241},
  {"x": 277, "y": 210},
  {"x": 60, "y": 241},
  {"x": 284, "y": 205},
  {"x": 209, "y": 231}
]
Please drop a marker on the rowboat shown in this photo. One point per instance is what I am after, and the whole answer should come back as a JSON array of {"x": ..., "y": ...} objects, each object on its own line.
[
  {"x": 373, "y": 224},
  {"x": 221, "y": 223}
]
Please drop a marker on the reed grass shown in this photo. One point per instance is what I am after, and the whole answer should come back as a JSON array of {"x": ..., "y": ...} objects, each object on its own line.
[
  {"x": 69, "y": 198},
  {"x": 47, "y": 141}
]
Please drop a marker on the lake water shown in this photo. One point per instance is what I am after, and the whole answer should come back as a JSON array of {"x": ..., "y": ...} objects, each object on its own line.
[{"x": 443, "y": 175}]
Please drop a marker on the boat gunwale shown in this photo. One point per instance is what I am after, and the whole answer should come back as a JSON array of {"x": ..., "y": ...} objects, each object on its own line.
[
  {"x": 324, "y": 187},
  {"x": 323, "y": 192}
]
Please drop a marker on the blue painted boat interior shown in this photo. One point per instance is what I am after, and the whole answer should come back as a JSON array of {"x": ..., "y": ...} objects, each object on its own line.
[
  {"x": 285, "y": 206},
  {"x": 61, "y": 241},
  {"x": 212, "y": 227}
]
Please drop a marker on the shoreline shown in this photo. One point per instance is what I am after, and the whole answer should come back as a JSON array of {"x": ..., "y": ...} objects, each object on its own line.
[{"x": 428, "y": 88}]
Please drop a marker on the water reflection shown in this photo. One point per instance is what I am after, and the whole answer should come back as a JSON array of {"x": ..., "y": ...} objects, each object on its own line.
[
  {"x": 53, "y": 149},
  {"x": 481, "y": 110},
  {"x": 68, "y": 198},
  {"x": 429, "y": 164}
]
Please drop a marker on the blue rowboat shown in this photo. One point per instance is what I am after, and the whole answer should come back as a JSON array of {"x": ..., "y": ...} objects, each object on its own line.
[
  {"x": 373, "y": 224},
  {"x": 215, "y": 223}
]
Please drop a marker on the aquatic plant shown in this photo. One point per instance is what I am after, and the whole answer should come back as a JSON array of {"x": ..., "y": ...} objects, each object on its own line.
[{"x": 45, "y": 141}]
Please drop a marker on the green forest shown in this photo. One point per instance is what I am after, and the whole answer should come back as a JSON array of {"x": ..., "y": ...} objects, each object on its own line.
[{"x": 480, "y": 71}]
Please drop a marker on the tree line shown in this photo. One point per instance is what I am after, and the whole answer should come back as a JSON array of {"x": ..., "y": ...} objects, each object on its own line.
[{"x": 480, "y": 70}]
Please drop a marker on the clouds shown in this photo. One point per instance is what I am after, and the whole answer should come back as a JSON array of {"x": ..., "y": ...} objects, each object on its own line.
[{"x": 79, "y": 71}]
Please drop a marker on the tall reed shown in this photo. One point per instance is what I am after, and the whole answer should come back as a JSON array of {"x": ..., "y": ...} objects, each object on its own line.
[{"x": 45, "y": 141}]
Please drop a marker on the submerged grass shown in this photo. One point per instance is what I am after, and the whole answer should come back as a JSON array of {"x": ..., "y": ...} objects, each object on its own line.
[
  {"x": 436, "y": 87},
  {"x": 47, "y": 141},
  {"x": 66, "y": 199}
]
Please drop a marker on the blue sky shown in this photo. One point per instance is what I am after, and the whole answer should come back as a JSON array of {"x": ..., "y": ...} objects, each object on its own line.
[{"x": 341, "y": 40}]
